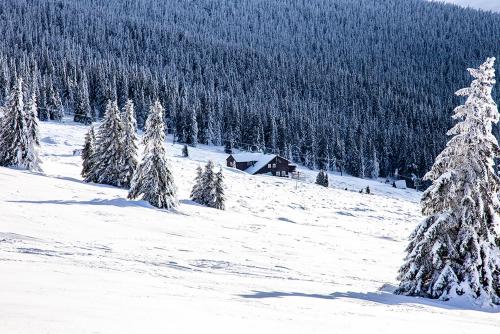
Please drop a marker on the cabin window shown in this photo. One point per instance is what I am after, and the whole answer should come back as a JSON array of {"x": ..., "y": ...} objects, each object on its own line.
[
  {"x": 274, "y": 165},
  {"x": 269, "y": 166}
]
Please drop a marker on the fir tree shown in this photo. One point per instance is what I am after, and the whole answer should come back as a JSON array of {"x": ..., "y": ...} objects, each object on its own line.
[
  {"x": 454, "y": 252},
  {"x": 196, "y": 192},
  {"x": 220, "y": 199},
  {"x": 19, "y": 131},
  {"x": 129, "y": 144},
  {"x": 53, "y": 102},
  {"x": 108, "y": 159},
  {"x": 322, "y": 178},
  {"x": 228, "y": 147},
  {"x": 208, "y": 184},
  {"x": 32, "y": 161},
  {"x": 185, "y": 151},
  {"x": 88, "y": 155},
  {"x": 192, "y": 128},
  {"x": 153, "y": 179},
  {"x": 83, "y": 113}
]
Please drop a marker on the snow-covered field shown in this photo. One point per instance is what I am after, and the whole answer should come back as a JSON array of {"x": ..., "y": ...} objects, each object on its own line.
[
  {"x": 492, "y": 5},
  {"x": 285, "y": 257}
]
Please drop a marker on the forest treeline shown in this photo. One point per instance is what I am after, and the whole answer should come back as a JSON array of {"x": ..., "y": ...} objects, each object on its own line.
[{"x": 365, "y": 86}]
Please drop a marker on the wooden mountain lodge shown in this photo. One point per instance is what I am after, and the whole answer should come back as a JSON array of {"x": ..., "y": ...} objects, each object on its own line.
[{"x": 259, "y": 163}]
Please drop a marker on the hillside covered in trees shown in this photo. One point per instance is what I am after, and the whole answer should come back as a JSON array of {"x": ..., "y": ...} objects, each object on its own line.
[{"x": 365, "y": 86}]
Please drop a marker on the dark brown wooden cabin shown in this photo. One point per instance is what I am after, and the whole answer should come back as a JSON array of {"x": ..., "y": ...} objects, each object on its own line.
[{"x": 258, "y": 163}]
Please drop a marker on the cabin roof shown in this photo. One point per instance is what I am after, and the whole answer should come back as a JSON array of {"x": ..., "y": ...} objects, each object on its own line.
[{"x": 260, "y": 160}]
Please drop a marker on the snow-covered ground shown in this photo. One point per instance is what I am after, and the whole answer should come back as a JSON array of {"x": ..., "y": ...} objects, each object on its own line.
[
  {"x": 491, "y": 5},
  {"x": 285, "y": 257}
]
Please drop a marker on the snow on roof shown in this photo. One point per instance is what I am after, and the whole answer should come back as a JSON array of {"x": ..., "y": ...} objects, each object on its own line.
[{"x": 264, "y": 159}]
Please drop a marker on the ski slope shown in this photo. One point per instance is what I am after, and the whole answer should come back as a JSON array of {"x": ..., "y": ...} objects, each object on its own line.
[{"x": 285, "y": 257}]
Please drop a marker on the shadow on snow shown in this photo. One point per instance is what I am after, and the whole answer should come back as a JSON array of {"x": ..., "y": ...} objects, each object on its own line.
[
  {"x": 118, "y": 202},
  {"x": 381, "y": 297}
]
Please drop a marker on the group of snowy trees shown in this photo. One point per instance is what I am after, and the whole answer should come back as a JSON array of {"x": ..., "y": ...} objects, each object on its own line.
[
  {"x": 288, "y": 78},
  {"x": 110, "y": 157},
  {"x": 208, "y": 189},
  {"x": 455, "y": 251},
  {"x": 19, "y": 130}
]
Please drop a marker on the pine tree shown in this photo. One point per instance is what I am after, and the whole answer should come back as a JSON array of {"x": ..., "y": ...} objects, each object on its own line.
[
  {"x": 153, "y": 179},
  {"x": 322, "y": 178},
  {"x": 108, "y": 159},
  {"x": 83, "y": 113},
  {"x": 88, "y": 154},
  {"x": 454, "y": 252},
  {"x": 228, "y": 147},
  {"x": 32, "y": 161},
  {"x": 53, "y": 102},
  {"x": 185, "y": 151},
  {"x": 19, "y": 131},
  {"x": 219, "y": 188},
  {"x": 192, "y": 128},
  {"x": 129, "y": 144},
  {"x": 196, "y": 192}
]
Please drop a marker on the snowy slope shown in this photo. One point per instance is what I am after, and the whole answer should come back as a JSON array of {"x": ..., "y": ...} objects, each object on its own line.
[
  {"x": 491, "y": 5},
  {"x": 286, "y": 256}
]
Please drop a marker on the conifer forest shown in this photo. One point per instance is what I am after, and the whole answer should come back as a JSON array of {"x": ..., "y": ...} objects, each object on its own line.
[{"x": 361, "y": 86}]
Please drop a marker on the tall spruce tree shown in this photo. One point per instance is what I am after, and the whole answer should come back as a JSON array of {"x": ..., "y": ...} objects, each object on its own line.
[
  {"x": 196, "y": 192},
  {"x": 53, "y": 102},
  {"x": 129, "y": 144},
  {"x": 83, "y": 113},
  {"x": 32, "y": 160},
  {"x": 219, "y": 191},
  {"x": 108, "y": 157},
  {"x": 19, "y": 131},
  {"x": 454, "y": 252},
  {"x": 153, "y": 179},
  {"x": 88, "y": 154}
]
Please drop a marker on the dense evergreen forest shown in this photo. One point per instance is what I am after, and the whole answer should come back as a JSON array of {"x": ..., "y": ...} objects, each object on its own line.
[{"x": 365, "y": 86}]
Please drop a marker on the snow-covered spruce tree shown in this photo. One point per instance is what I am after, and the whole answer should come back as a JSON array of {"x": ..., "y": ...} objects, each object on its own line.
[
  {"x": 454, "y": 252},
  {"x": 19, "y": 132},
  {"x": 208, "y": 185},
  {"x": 219, "y": 191},
  {"x": 204, "y": 189},
  {"x": 153, "y": 178},
  {"x": 88, "y": 154},
  {"x": 53, "y": 102},
  {"x": 109, "y": 149},
  {"x": 196, "y": 192},
  {"x": 83, "y": 113},
  {"x": 31, "y": 159},
  {"x": 129, "y": 144}
]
